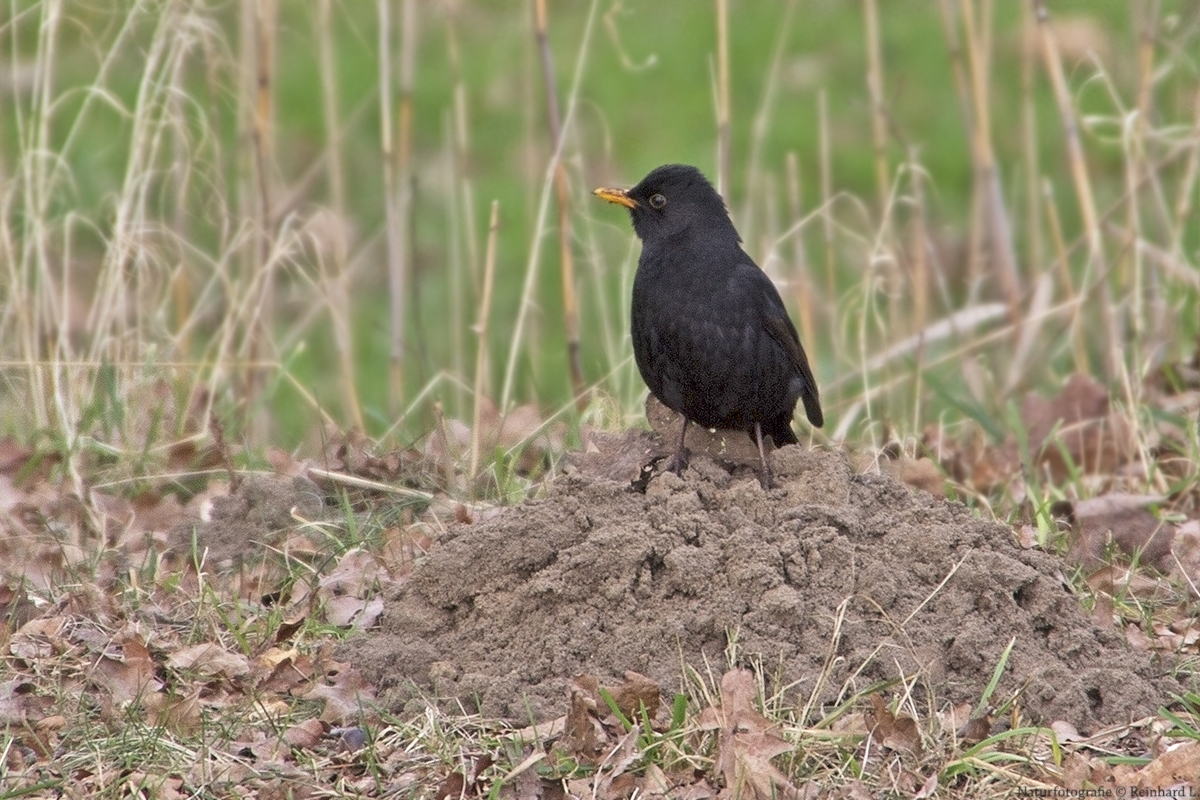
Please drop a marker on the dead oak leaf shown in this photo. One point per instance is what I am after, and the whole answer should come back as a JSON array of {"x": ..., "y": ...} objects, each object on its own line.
[
  {"x": 39, "y": 638},
  {"x": 746, "y": 742},
  {"x": 1122, "y": 520},
  {"x": 896, "y": 733},
  {"x": 615, "y": 780},
  {"x": 20, "y": 703},
  {"x": 1076, "y": 430},
  {"x": 345, "y": 696},
  {"x": 636, "y": 693},
  {"x": 209, "y": 659},
  {"x": 129, "y": 676},
  {"x": 584, "y": 733},
  {"x": 1179, "y": 766}
]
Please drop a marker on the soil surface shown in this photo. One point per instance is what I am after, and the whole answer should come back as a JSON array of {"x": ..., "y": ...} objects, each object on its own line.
[{"x": 854, "y": 577}]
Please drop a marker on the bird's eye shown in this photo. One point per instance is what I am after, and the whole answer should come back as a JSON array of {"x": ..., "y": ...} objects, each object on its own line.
[{"x": 657, "y": 200}]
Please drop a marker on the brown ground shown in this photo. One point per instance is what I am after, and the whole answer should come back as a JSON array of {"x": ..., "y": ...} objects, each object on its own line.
[{"x": 828, "y": 566}]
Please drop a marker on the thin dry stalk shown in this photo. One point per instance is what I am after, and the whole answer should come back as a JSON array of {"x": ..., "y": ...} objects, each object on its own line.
[
  {"x": 529, "y": 286},
  {"x": 37, "y": 179},
  {"x": 481, "y": 330},
  {"x": 1184, "y": 197},
  {"x": 1067, "y": 287},
  {"x": 827, "y": 226},
  {"x": 962, "y": 92},
  {"x": 1136, "y": 128},
  {"x": 918, "y": 247},
  {"x": 878, "y": 112},
  {"x": 265, "y": 22},
  {"x": 182, "y": 299},
  {"x": 464, "y": 270},
  {"x": 1034, "y": 257},
  {"x": 396, "y": 157},
  {"x": 563, "y": 197},
  {"x": 724, "y": 144},
  {"x": 801, "y": 280},
  {"x": 402, "y": 278},
  {"x": 339, "y": 297},
  {"x": 462, "y": 143},
  {"x": 997, "y": 229},
  {"x": 1096, "y": 263},
  {"x": 767, "y": 106}
]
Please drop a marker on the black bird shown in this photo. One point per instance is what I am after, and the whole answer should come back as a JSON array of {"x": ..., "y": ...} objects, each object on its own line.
[{"x": 711, "y": 337}]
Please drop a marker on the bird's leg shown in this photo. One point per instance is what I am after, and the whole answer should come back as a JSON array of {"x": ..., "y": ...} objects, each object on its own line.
[
  {"x": 679, "y": 461},
  {"x": 764, "y": 476}
]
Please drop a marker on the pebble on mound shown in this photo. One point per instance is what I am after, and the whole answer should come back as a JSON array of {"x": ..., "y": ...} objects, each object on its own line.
[{"x": 596, "y": 578}]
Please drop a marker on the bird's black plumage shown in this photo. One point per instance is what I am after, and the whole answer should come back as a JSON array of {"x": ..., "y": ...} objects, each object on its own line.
[{"x": 711, "y": 336}]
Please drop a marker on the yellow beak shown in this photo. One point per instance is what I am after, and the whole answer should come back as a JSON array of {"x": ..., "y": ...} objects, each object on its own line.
[{"x": 617, "y": 196}]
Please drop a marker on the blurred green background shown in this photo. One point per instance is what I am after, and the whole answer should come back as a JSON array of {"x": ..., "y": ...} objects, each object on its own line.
[{"x": 646, "y": 77}]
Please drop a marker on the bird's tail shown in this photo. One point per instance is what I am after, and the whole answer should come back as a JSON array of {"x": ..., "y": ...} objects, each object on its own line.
[{"x": 812, "y": 406}]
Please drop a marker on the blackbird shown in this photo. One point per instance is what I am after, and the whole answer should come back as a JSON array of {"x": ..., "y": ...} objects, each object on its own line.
[{"x": 711, "y": 337}]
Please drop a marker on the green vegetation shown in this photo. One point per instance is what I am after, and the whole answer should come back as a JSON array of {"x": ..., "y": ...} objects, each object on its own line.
[{"x": 134, "y": 177}]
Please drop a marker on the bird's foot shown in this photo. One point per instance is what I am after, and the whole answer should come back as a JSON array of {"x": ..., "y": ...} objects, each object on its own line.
[
  {"x": 764, "y": 474},
  {"x": 764, "y": 478},
  {"x": 678, "y": 462}
]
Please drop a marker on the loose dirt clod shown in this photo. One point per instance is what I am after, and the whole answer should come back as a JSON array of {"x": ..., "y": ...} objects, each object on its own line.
[{"x": 856, "y": 571}]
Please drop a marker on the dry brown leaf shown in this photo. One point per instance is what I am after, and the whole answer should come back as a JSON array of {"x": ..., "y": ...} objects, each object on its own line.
[
  {"x": 636, "y": 693},
  {"x": 971, "y": 460},
  {"x": 402, "y": 547},
  {"x": 183, "y": 714},
  {"x": 919, "y": 473},
  {"x": 973, "y": 730},
  {"x": 929, "y": 788},
  {"x": 1027, "y": 536},
  {"x": 522, "y": 429},
  {"x": 209, "y": 659},
  {"x": 370, "y": 614},
  {"x": 1075, "y": 430},
  {"x": 274, "y": 656},
  {"x": 1185, "y": 563},
  {"x": 289, "y": 627},
  {"x": 1103, "y": 610},
  {"x": 1065, "y": 732},
  {"x": 857, "y": 790},
  {"x": 746, "y": 741},
  {"x": 306, "y": 735},
  {"x": 345, "y": 698},
  {"x": 1179, "y": 766},
  {"x": 897, "y": 733},
  {"x": 342, "y": 611},
  {"x": 128, "y": 677},
  {"x": 288, "y": 669},
  {"x": 1124, "y": 521},
  {"x": 1138, "y": 639},
  {"x": 583, "y": 733},
  {"x": 1114, "y": 580},
  {"x": 39, "y": 638},
  {"x": 356, "y": 574},
  {"x": 614, "y": 781},
  {"x": 1080, "y": 771},
  {"x": 20, "y": 703},
  {"x": 953, "y": 718}
]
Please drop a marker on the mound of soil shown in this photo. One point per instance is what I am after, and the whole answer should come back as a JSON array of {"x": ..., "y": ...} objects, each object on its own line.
[{"x": 854, "y": 577}]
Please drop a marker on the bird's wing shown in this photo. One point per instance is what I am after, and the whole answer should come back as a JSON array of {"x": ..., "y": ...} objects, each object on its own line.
[{"x": 780, "y": 328}]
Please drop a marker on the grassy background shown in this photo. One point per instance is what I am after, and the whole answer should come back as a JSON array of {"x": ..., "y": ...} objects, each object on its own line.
[{"x": 135, "y": 239}]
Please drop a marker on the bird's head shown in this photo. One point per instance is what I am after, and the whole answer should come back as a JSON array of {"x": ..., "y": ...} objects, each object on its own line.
[{"x": 672, "y": 198}]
